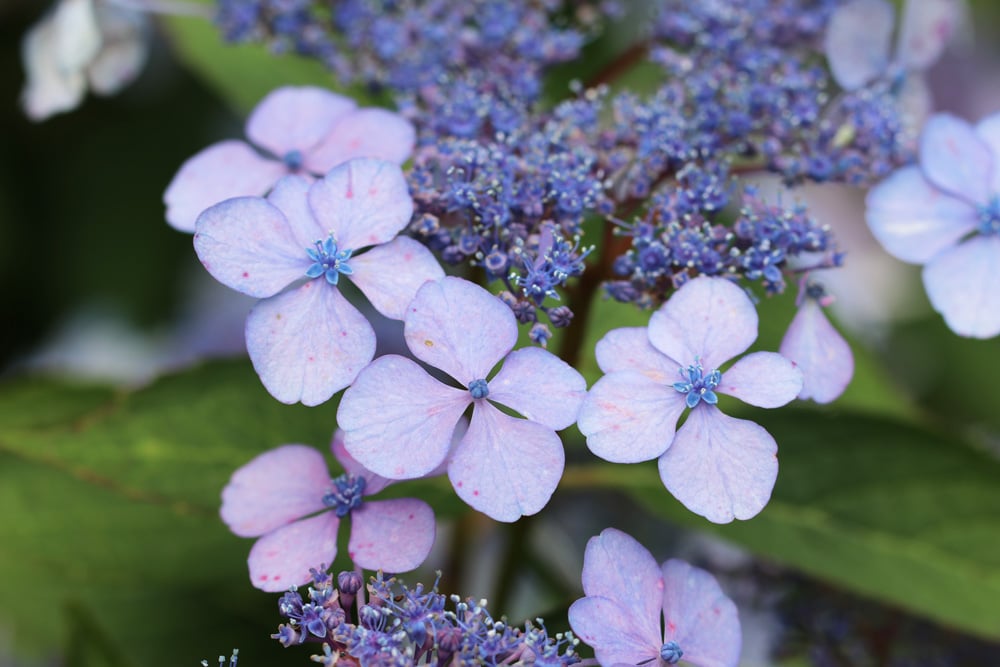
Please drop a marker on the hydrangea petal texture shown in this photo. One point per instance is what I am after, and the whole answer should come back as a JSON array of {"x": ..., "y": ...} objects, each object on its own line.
[
  {"x": 295, "y": 118},
  {"x": 398, "y": 420},
  {"x": 540, "y": 386},
  {"x": 708, "y": 319},
  {"x": 124, "y": 49},
  {"x": 373, "y": 483},
  {"x": 308, "y": 343},
  {"x": 282, "y": 558},
  {"x": 291, "y": 196},
  {"x": 955, "y": 159},
  {"x": 963, "y": 284},
  {"x": 927, "y": 27},
  {"x": 506, "y": 467},
  {"x": 390, "y": 274},
  {"x": 913, "y": 220},
  {"x": 629, "y": 349},
  {"x": 720, "y": 467},
  {"x": 988, "y": 130},
  {"x": 275, "y": 488},
  {"x": 858, "y": 40},
  {"x": 373, "y": 133},
  {"x": 608, "y": 628},
  {"x": 221, "y": 171},
  {"x": 699, "y": 617},
  {"x": 391, "y": 535},
  {"x": 820, "y": 352},
  {"x": 764, "y": 379}
]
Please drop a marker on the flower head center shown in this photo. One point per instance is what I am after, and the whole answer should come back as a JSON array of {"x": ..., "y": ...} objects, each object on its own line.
[
  {"x": 697, "y": 385},
  {"x": 989, "y": 217},
  {"x": 293, "y": 160},
  {"x": 671, "y": 653},
  {"x": 479, "y": 388},
  {"x": 345, "y": 494},
  {"x": 329, "y": 260}
]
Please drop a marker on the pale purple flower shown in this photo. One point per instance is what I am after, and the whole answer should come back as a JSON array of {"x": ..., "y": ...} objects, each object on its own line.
[
  {"x": 301, "y": 130},
  {"x": 274, "y": 495},
  {"x": 639, "y": 613},
  {"x": 945, "y": 214},
  {"x": 304, "y": 338},
  {"x": 819, "y": 351},
  {"x": 399, "y": 421},
  {"x": 717, "y": 466}
]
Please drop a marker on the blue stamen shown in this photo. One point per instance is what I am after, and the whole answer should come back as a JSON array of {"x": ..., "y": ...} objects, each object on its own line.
[
  {"x": 478, "y": 389},
  {"x": 989, "y": 217},
  {"x": 671, "y": 653},
  {"x": 293, "y": 160},
  {"x": 346, "y": 494},
  {"x": 697, "y": 386},
  {"x": 329, "y": 261}
]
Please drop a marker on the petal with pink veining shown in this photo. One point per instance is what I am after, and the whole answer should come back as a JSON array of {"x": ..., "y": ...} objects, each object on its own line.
[
  {"x": 506, "y": 467},
  {"x": 391, "y": 535},
  {"x": 955, "y": 159},
  {"x": 629, "y": 349},
  {"x": 606, "y": 627},
  {"x": 857, "y": 41},
  {"x": 764, "y": 379},
  {"x": 820, "y": 352},
  {"x": 246, "y": 244},
  {"x": 390, "y": 274},
  {"x": 308, "y": 343},
  {"x": 711, "y": 319},
  {"x": 373, "y": 483},
  {"x": 913, "y": 220},
  {"x": 927, "y": 27},
  {"x": 222, "y": 171},
  {"x": 274, "y": 489},
  {"x": 963, "y": 284},
  {"x": 699, "y": 617},
  {"x": 375, "y": 133},
  {"x": 540, "y": 386},
  {"x": 295, "y": 118},
  {"x": 282, "y": 559},
  {"x": 627, "y": 418},
  {"x": 363, "y": 202},
  {"x": 459, "y": 327},
  {"x": 720, "y": 467},
  {"x": 398, "y": 420}
]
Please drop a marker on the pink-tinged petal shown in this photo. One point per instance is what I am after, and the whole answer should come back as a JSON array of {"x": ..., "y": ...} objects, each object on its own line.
[
  {"x": 607, "y": 628},
  {"x": 720, "y": 467},
  {"x": 764, "y": 379},
  {"x": 955, "y": 159},
  {"x": 459, "y": 327},
  {"x": 820, "y": 352},
  {"x": 275, "y": 488},
  {"x": 617, "y": 567},
  {"x": 391, "y": 535},
  {"x": 222, "y": 171},
  {"x": 963, "y": 284},
  {"x": 540, "y": 386},
  {"x": 390, "y": 274},
  {"x": 927, "y": 27},
  {"x": 699, "y": 617},
  {"x": 628, "y": 418},
  {"x": 988, "y": 129},
  {"x": 246, "y": 244},
  {"x": 308, "y": 343},
  {"x": 629, "y": 349},
  {"x": 398, "y": 420},
  {"x": 291, "y": 196},
  {"x": 373, "y": 483},
  {"x": 711, "y": 319},
  {"x": 375, "y": 133},
  {"x": 363, "y": 202},
  {"x": 506, "y": 467},
  {"x": 282, "y": 559},
  {"x": 295, "y": 118},
  {"x": 913, "y": 220},
  {"x": 857, "y": 41}
]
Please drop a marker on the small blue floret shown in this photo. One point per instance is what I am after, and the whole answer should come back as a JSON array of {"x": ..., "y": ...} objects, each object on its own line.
[
  {"x": 329, "y": 261},
  {"x": 346, "y": 494},
  {"x": 697, "y": 386},
  {"x": 989, "y": 217},
  {"x": 293, "y": 160},
  {"x": 479, "y": 389},
  {"x": 671, "y": 653}
]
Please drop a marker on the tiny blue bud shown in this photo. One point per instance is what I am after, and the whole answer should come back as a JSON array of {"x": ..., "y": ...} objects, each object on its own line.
[
  {"x": 479, "y": 389},
  {"x": 671, "y": 653}
]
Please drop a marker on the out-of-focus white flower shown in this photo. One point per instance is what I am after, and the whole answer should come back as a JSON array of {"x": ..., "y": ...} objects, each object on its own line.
[{"x": 81, "y": 43}]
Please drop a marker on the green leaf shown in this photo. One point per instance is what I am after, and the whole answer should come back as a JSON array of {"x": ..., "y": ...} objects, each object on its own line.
[{"x": 872, "y": 505}]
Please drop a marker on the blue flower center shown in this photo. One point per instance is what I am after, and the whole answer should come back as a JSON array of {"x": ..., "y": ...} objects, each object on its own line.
[
  {"x": 293, "y": 160},
  {"x": 329, "y": 260},
  {"x": 671, "y": 653},
  {"x": 345, "y": 494},
  {"x": 989, "y": 217},
  {"x": 478, "y": 389},
  {"x": 697, "y": 385}
]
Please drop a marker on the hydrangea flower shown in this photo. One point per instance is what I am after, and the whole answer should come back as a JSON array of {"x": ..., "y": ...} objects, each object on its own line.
[
  {"x": 638, "y": 613},
  {"x": 945, "y": 214},
  {"x": 270, "y": 496},
  {"x": 399, "y": 420},
  {"x": 307, "y": 341},
  {"x": 820, "y": 352},
  {"x": 717, "y": 466},
  {"x": 303, "y": 130}
]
